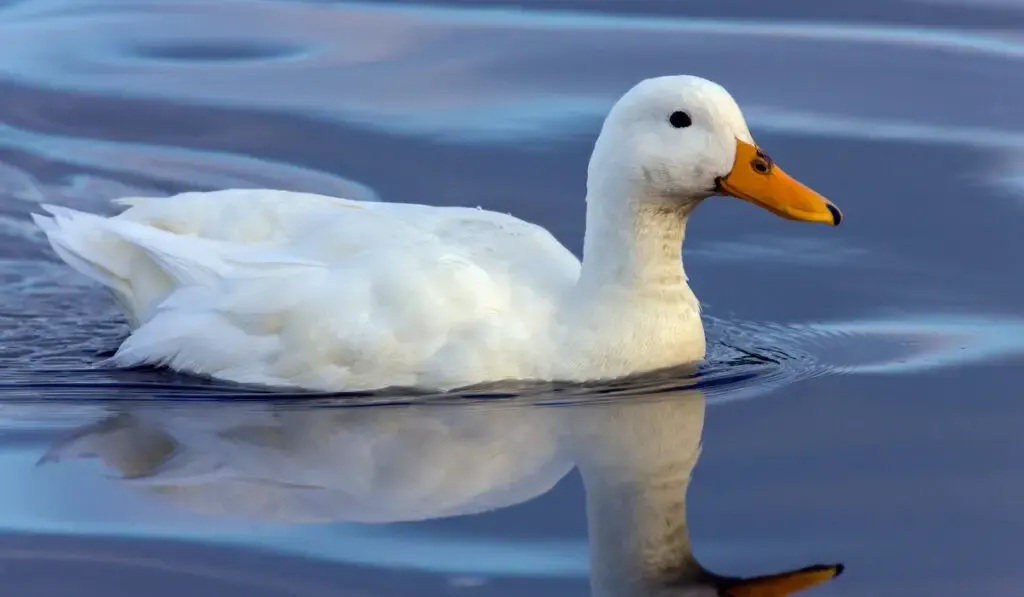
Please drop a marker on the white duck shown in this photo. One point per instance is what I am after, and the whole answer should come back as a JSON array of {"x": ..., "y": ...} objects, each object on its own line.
[
  {"x": 293, "y": 289},
  {"x": 420, "y": 462}
]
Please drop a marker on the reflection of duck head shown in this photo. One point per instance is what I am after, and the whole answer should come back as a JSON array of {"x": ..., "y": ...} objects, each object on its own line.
[{"x": 636, "y": 457}]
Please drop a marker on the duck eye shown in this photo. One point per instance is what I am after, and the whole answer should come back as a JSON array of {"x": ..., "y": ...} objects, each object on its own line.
[{"x": 680, "y": 120}]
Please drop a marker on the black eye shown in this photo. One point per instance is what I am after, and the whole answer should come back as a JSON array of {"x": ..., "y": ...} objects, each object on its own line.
[{"x": 680, "y": 120}]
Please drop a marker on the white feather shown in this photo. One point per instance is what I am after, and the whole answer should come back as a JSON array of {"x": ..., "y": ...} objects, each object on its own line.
[{"x": 293, "y": 289}]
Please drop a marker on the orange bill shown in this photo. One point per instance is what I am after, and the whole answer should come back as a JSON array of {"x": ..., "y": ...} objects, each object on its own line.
[
  {"x": 778, "y": 585},
  {"x": 756, "y": 178}
]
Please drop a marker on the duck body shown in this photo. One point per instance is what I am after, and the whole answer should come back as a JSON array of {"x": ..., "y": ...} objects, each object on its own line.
[{"x": 298, "y": 290}]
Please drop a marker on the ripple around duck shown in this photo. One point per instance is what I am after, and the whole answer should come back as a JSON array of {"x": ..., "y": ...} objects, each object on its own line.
[
  {"x": 883, "y": 346},
  {"x": 745, "y": 359}
]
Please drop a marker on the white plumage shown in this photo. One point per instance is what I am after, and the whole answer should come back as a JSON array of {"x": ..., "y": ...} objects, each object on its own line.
[
  {"x": 283, "y": 288},
  {"x": 294, "y": 289}
]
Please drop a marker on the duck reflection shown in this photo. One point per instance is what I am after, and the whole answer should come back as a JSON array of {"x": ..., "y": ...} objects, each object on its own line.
[{"x": 406, "y": 463}]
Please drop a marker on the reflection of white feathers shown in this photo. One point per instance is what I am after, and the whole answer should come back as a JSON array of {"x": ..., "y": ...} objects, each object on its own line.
[
  {"x": 382, "y": 464},
  {"x": 359, "y": 465}
]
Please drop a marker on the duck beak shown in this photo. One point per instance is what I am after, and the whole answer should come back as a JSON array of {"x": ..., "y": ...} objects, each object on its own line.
[
  {"x": 756, "y": 178},
  {"x": 778, "y": 585}
]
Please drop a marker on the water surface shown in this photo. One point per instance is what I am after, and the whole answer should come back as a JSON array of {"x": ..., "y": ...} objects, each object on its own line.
[{"x": 860, "y": 384}]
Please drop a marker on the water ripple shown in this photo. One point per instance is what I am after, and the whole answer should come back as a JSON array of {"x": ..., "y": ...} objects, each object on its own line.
[
  {"x": 404, "y": 69},
  {"x": 916, "y": 343},
  {"x": 161, "y": 165},
  {"x": 746, "y": 359},
  {"x": 205, "y": 52}
]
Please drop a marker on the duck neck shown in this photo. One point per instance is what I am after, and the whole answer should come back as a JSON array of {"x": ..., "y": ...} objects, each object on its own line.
[{"x": 632, "y": 245}]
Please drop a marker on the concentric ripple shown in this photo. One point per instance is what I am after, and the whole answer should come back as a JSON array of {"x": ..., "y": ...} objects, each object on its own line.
[
  {"x": 403, "y": 68},
  {"x": 205, "y": 52},
  {"x": 100, "y": 167},
  {"x": 745, "y": 359},
  {"x": 884, "y": 346}
]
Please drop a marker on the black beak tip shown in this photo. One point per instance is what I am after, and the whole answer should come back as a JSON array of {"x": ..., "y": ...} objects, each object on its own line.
[
  {"x": 840, "y": 568},
  {"x": 837, "y": 216}
]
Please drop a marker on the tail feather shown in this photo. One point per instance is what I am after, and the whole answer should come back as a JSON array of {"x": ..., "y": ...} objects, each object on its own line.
[
  {"x": 85, "y": 247},
  {"x": 100, "y": 257},
  {"x": 143, "y": 265}
]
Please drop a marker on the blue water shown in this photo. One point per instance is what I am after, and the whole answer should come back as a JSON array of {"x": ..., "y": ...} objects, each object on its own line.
[{"x": 860, "y": 385}]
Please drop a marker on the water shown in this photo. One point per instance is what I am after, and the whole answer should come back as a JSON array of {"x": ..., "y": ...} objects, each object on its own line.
[{"x": 859, "y": 389}]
